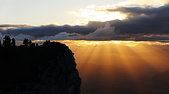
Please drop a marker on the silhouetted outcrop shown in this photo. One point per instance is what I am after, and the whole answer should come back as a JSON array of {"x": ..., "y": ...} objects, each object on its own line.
[{"x": 38, "y": 69}]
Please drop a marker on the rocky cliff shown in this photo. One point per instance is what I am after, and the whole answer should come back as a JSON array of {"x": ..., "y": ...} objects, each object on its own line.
[{"x": 46, "y": 69}]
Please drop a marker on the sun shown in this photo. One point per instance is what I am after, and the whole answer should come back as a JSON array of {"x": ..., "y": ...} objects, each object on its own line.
[
  {"x": 86, "y": 15},
  {"x": 116, "y": 42}
]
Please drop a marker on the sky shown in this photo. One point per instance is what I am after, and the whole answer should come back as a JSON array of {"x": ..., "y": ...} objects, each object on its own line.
[
  {"x": 121, "y": 67},
  {"x": 85, "y": 19},
  {"x": 38, "y": 12}
]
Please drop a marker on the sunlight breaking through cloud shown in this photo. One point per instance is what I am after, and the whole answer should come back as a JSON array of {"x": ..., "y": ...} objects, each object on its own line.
[
  {"x": 93, "y": 13},
  {"x": 100, "y": 13},
  {"x": 122, "y": 43}
]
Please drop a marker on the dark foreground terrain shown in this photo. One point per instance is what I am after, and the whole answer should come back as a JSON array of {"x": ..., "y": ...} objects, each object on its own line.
[{"x": 46, "y": 69}]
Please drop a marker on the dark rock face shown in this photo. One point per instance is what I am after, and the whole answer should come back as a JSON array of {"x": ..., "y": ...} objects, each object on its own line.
[{"x": 46, "y": 69}]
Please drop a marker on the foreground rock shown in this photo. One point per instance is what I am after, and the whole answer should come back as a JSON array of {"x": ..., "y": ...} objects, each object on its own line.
[{"x": 46, "y": 69}]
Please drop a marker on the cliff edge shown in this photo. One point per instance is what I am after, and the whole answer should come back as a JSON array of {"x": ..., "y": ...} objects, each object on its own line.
[{"x": 46, "y": 69}]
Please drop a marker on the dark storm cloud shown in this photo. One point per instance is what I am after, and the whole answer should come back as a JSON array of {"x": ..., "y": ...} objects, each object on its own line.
[
  {"x": 143, "y": 20},
  {"x": 152, "y": 38},
  {"x": 140, "y": 22},
  {"x": 46, "y": 30},
  {"x": 147, "y": 10}
]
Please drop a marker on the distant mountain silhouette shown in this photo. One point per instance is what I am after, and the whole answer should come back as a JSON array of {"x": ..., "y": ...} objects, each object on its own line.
[{"x": 37, "y": 69}]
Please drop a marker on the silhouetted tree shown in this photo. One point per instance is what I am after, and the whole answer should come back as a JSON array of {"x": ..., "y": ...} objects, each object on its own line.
[
  {"x": 6, "y": 41},
  {"x": 25, "y": 42},
  {"x": 13, "y": 42}
]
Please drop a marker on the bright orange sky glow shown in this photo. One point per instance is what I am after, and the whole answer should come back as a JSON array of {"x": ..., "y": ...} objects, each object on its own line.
[{"x": 102, "y": 63}]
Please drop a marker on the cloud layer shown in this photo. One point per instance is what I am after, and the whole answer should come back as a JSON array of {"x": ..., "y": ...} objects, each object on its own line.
[
  {"x": 141, "y": 21},
  {"x": 39, "y": 32}
]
